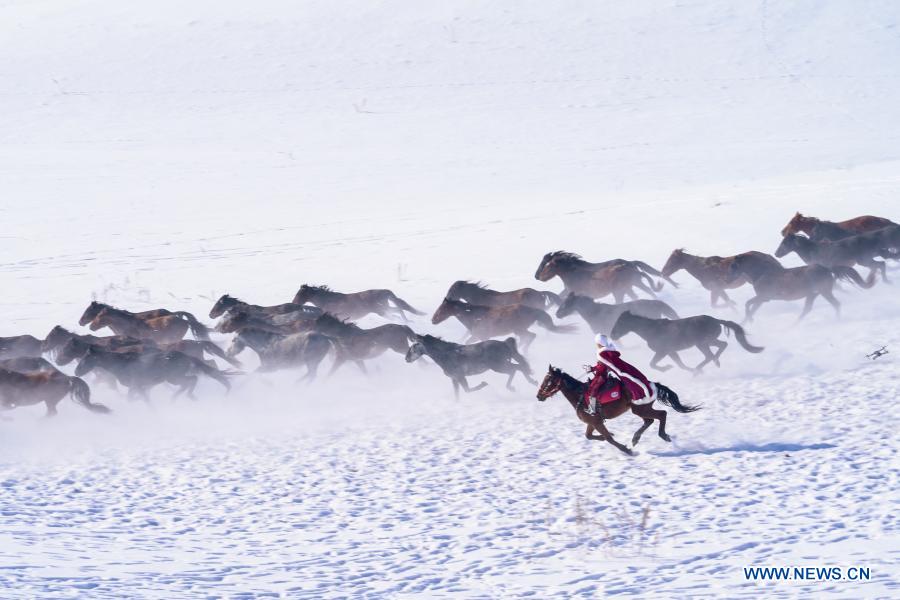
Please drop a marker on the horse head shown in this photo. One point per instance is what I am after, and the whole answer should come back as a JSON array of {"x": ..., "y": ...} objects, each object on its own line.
[
  {"x": 567, "y": 306},
  {"x": 87, "y": 363},
  {"x": 223, "y": 304},
  {"x": 674, "y": 263},
  {"x": 553, "y": 380},
  {"x": 444, "y": 311},
  {"x": 416, "y": 351},
  {"x": 91, "y": 312},
  {"x": 622, "y": 326}
]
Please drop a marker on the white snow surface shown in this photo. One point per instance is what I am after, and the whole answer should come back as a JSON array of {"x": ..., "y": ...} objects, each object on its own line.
[{"x": 164, "y": 153}]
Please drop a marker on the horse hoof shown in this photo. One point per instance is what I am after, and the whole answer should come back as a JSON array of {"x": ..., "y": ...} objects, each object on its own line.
[{"x": 666, "y": 438}]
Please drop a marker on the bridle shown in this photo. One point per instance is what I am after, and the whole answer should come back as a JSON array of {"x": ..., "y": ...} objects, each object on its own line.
[{"x": 549, "y": 388}]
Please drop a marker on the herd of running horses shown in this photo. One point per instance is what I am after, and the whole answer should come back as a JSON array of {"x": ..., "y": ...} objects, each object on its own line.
[{"x": 148, "y": 348}]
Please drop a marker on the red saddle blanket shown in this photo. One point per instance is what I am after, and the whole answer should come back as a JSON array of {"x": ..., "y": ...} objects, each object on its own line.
[{"x": 610, "y": 391}]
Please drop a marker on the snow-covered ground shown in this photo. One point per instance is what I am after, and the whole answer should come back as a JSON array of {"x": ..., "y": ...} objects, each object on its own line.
[{"x": 164, "y": 154}]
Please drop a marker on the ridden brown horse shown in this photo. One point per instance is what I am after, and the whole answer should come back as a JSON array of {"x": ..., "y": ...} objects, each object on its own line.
[
  {"x": 458, "y": 361},
  {"x": 151, "y": 317},
  {"x": 140, "y": 371},
  {"x": 478, "y": 293},
  {"x": 849, "y": 251},
  {"x": 557, "y": 380},
  {"x": 484, "y": 322},
  {"x": 356, "y": 305},
  {"x": 666, "y": 337},
  {"x": 227, "y": 303},
  {"x": 162, "y": 330},
  {"x": 713, "y": 272},
  {"x": 19, "y": 345},
  {"x": 601, "y": 317},
  {"x": 44, "y": 385},
  {"x": 777, "y": 283},
  {"x": 617, "y": 277},
  {"x": 357, "y": 344},
  {"x": 818, "y": 229}
]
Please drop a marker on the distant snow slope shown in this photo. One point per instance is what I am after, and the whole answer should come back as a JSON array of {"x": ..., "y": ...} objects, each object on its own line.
[{"x": 166, "y": 153}]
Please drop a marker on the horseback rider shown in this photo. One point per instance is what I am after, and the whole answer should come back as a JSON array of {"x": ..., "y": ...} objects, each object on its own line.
[{"x": 609, "y": 361}]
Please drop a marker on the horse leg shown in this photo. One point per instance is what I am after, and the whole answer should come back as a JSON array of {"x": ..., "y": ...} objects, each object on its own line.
[
  {"x": 469, "y": 390},
  {"x": 829, "y": 297},
  {"x": 713, "y": 296},
  {"x": 527, "y": 337},
  {"x": 677, "y": 359},
  {"x": 721, "y": 345},
  {"x": 528, "y": 378},
  {"x": 599, "y": 426},
  {"x": 187, "y": 384},
  {"x": 51, "y": 408},
  {"x": 807, "y": 306},
  {"x": 647, "y": 411},
  {"x": 637, "y": 434},
  {"x": 654, "y": 362},
  {"x": 728, "y": 301},
  {"x": 589, "y": 434},
  {"x": 511, "y": 371},
  {"x": 708, "y": 357}
]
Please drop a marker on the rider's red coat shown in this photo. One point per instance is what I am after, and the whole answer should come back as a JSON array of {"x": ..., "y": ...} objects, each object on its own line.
[{"x": 610, "y": 361}]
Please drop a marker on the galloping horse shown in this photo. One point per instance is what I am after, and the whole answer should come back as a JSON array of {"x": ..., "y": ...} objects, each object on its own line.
[
  {"x": 617, "y": 277},
  {"x": 358, "y": 344},
  {"x": 574, "y": 390},
  {"x": 818, "y": 229},
  {"x": 278, "y": 351},
  {"x": 479, "y": 293},
  {"x": 44, "y": 385},
  {"x": 227, "y": 303},
  {"x": 355, "y": 305},
  {"x": 601, "y": 317},
  {"x": 849, "y": 251},
  {"x": 164, "y": 330},
  {"x": 713, "y": 272},
  {"x": 151, "y": 317}
]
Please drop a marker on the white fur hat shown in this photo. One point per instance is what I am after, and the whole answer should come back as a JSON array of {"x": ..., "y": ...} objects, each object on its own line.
[{"x": 601, "y": 339}]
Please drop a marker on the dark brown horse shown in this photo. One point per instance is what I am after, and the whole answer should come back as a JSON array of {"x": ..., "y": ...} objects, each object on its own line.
[
  {"x": 666, "y": 337},
  {"x": 574, "y": 390},
  {"x": 458, "y": 361},
  {"x": 77, "y": 347},
  {"x": 355, "y": 305},
  {"x": 277, "y": 351},
  {"x": 601, "y": 317},
  {"x": 236, "y": 320},
  {"x": 480, "y": 294},
  {"x": 617, "y": 277},
  {"x": 19, "y": 345},
  {"x": 713, "y": 272},
  {"x": 139, "y": 371},
  {"x": 49, "y": 386},
  {"x": 151, "y": 317},
  {"x": 485, "y": 322},
  {"x": 818, "y": 229},
  {"x": 162, "y": 330},
  {"x": 800, "y": 283},
  {"x": 227, "y": 303},
  {"x": 357, "y": 344},
  {"x": 849, "y": 251}
]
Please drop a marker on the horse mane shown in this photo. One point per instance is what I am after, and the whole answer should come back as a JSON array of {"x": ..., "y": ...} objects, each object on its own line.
[
  {"x": 318, "y": 288},
  {"x": 566, "y": 256},
  {"x": 333, "y": 320},
  {"x": 437, "y": 340}
]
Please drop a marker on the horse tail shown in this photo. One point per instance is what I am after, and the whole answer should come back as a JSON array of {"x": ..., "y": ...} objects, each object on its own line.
[
  {"x": 214, "y": 373},
  {"x": 668, "y": 397},
  {"x": 654, "y": 285},
  {"x": 667, "y": 311},
  {"x": 850, "y": 274},
  {"x": 514, "y": 352},
  {"x": 403, "y": 304},
  {"x": 551, "y": 299},
  {"x": 653, "y": 271},
  {"x": 81, "y": 393},
  {"x": 740, "y": 336},
  {"x": 545, "y": 321},
  {"x": 215, "y": 350},
  {"x": 198, "y": 329}
]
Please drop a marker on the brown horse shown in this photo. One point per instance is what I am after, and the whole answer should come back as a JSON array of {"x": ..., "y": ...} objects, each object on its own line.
[
  {"x": 485, "y": 322},
  {"x": 818, "y": 229},
  {"x": 163, "y": 330},
  {"x": 558, "y": 381},
  {"x": 849, "y": 251},
  {"x": 236, "y": 320},
  {"x": 77, "y": 346},
  {"x": 777, "y": 283},
  {"x": 357, "y": 344},
  {"x": 19, "y": 345},
  {"x": 666, "y": 337},
  {"x": 355, "y": 305},
  {"x": 278, "y": 351},
  {"x": 151, "y": 317},
  {"x": 713, "y": 272},
  {"x": 601, "y": 317},
  {"x": 44, "y": 385},
  {"x": 617, "y": 277},
  {"x": 227, "y": 303},
  {"x": 140, "y": 371},
  {"x": 478, "y": 293}
]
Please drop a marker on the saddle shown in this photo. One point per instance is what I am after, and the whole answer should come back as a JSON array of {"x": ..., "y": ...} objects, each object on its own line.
[{"x": 610, "y": 391}]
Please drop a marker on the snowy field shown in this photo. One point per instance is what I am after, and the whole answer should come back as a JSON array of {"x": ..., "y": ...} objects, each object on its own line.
[{"x": 165, "y": 154}]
